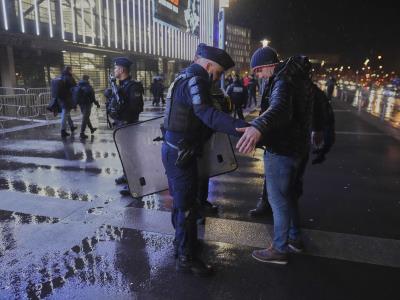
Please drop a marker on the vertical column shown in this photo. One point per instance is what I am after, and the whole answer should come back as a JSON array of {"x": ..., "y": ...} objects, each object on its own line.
[
  {"x": 7, "y": 67},
  {"x": 129, "y": 23},
  {"x": 149, "y": 22},
  {"x": 21, "y": 16},
  {"x": 100, "y": 5},
  {"x": 73, "y": 20},
  {"x": 140, "y": 26},
  {"x": 83, "y": 25},
  {"x": 108, "y": 24},
  {"x": 50, "y": 18},
  {"x": 5, "y": 14},
  {"x": 115, "y": 24},
  {"x": 36, "y": 17},
  {"x": 144, "y": 27},
  {"x": 92, "y": 21},
  {"x": 122, "y": 25},
  {"x": 154, "y": 29},
  {"x": 134, "y": 24}
]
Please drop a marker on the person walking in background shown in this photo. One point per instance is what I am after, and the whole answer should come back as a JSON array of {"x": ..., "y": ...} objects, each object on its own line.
[
  {"x": 252, "y": 90},
  {"x": 238, "y": 94},
  {"x": 86, "y": 100},
  {"x": 61, "y": 89},
  {"x": 330, "y": 87}
]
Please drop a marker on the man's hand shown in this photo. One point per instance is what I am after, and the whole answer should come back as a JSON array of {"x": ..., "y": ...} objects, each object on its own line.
[
  {"x": 247, "y": 143},
  {"x": 317, "y": 139}
]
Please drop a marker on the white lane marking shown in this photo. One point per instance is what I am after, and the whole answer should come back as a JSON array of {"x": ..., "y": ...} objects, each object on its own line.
[
  {"x": 360, "y": 133},
  {"x": 348, "y": 247}
]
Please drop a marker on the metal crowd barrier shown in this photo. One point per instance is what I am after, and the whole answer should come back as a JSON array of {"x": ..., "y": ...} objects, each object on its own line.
[
  {"x": 38, "y": 91},
  {"x": 11, "y": 91},
  {"x": 18, "y": 106}
]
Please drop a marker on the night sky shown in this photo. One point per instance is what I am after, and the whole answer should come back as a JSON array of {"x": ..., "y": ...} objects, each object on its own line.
[{"x": 352, "y": 29}]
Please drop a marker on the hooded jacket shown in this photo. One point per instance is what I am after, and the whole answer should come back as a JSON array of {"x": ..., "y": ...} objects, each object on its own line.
[{"x": 289, "y": 117}]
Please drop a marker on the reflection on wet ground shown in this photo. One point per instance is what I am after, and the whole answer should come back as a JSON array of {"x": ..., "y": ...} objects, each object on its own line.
[
  {"x": 11, "y": 222},
  {"x": 103, "y": 261},
  {"x": 57, "y": 192},
  {"x": 118, "y": 263}
]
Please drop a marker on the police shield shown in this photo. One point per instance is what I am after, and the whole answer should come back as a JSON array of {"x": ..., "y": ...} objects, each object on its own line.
[{"x": 139, "y": 148}]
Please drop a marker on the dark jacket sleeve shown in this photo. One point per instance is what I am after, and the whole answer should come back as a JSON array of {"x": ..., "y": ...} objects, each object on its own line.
[
  {"x": 210, "y": 116},
  {"x": 320, "y": 112},
  {"x": 280, "y": 110}
]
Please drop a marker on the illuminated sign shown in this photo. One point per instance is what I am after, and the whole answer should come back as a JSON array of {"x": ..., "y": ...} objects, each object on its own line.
[{"x": 183, "y": 14}]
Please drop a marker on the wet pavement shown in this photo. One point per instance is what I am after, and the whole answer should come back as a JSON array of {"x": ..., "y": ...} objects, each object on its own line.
[{"x": 66, "y": 233}]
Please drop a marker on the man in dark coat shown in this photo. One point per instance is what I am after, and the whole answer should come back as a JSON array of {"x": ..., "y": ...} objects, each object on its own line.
[
  {"x": 64, "y": 99},
  {"x": 284, "y": 130}
]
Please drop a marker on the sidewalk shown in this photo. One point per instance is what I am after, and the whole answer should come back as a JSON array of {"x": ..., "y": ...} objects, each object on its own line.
[{"x": 68, "y": 234}]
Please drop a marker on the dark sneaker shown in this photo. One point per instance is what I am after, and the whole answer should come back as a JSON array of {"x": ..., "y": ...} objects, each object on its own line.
[
  {"x": 209, "y": 207},
  {"x": 83, "y": 136},
  {"x": 64, "y": 134},
  {"x": 93, "y": 130},
  {"x": 125, "y": 191},
  {"x": 270, "y": 256},
  {"x": 196, "y": 267},
  {"x": 121, "y": 180},
  {"x": 296, "y": 246},
  {"x": 73, "y": 128}
]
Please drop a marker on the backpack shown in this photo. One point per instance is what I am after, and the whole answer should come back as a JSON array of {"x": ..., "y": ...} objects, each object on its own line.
[
  {"x": 57, "y": 87},
  {"x": 78, "y": 96}
]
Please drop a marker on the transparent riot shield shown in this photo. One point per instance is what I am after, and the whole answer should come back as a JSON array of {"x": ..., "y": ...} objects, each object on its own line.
[{"x": 139, "y": 148}]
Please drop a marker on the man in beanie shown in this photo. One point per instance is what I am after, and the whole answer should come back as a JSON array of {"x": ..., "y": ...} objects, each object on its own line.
[
  {"x": 284, "y": 130},
  {"x": 189, "y": 120}
]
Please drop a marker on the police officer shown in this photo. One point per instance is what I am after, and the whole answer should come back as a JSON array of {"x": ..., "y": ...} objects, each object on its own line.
[
  {"x": 132, "y": 93},
  {"x": 238, "y": 94},
  {"x": 189, "y": 116}
]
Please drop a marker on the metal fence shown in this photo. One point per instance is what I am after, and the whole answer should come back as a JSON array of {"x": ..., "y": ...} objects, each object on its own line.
[
  {"x": 18, "y": 106},
  {"x": 38, "y": 91},
  {"x": 11, "y": 91}
]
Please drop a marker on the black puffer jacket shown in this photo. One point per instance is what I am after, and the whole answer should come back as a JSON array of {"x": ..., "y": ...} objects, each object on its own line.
[{"x": 289, "y": 116}]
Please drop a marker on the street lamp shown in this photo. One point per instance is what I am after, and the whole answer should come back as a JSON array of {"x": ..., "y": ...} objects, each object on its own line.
[
  {"x": 265, "y": 42},
  {"x": 366, "y": 62}
]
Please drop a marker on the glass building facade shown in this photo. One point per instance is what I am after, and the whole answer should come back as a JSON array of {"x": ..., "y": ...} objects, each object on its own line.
[{"x": 161, "y": 36}]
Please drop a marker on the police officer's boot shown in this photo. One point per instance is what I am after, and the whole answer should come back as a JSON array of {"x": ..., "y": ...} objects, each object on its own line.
[
  {"x": 83, "y": 136},
  {"x": 262, "y": 209},
  {"x": 125, "y": 191},
  {"x": 73, "y": 128},
  {"x": 64, "y": 133},
  {"x": 121, "y": 180},
  {"x": 195, "y": 266}
]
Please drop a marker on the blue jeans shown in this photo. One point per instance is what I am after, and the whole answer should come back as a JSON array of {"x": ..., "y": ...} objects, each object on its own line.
[
  {"x": 284, "y": 178},
  {"x": 66, "y": 117},
  {"x": 183, "y": 183}
]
